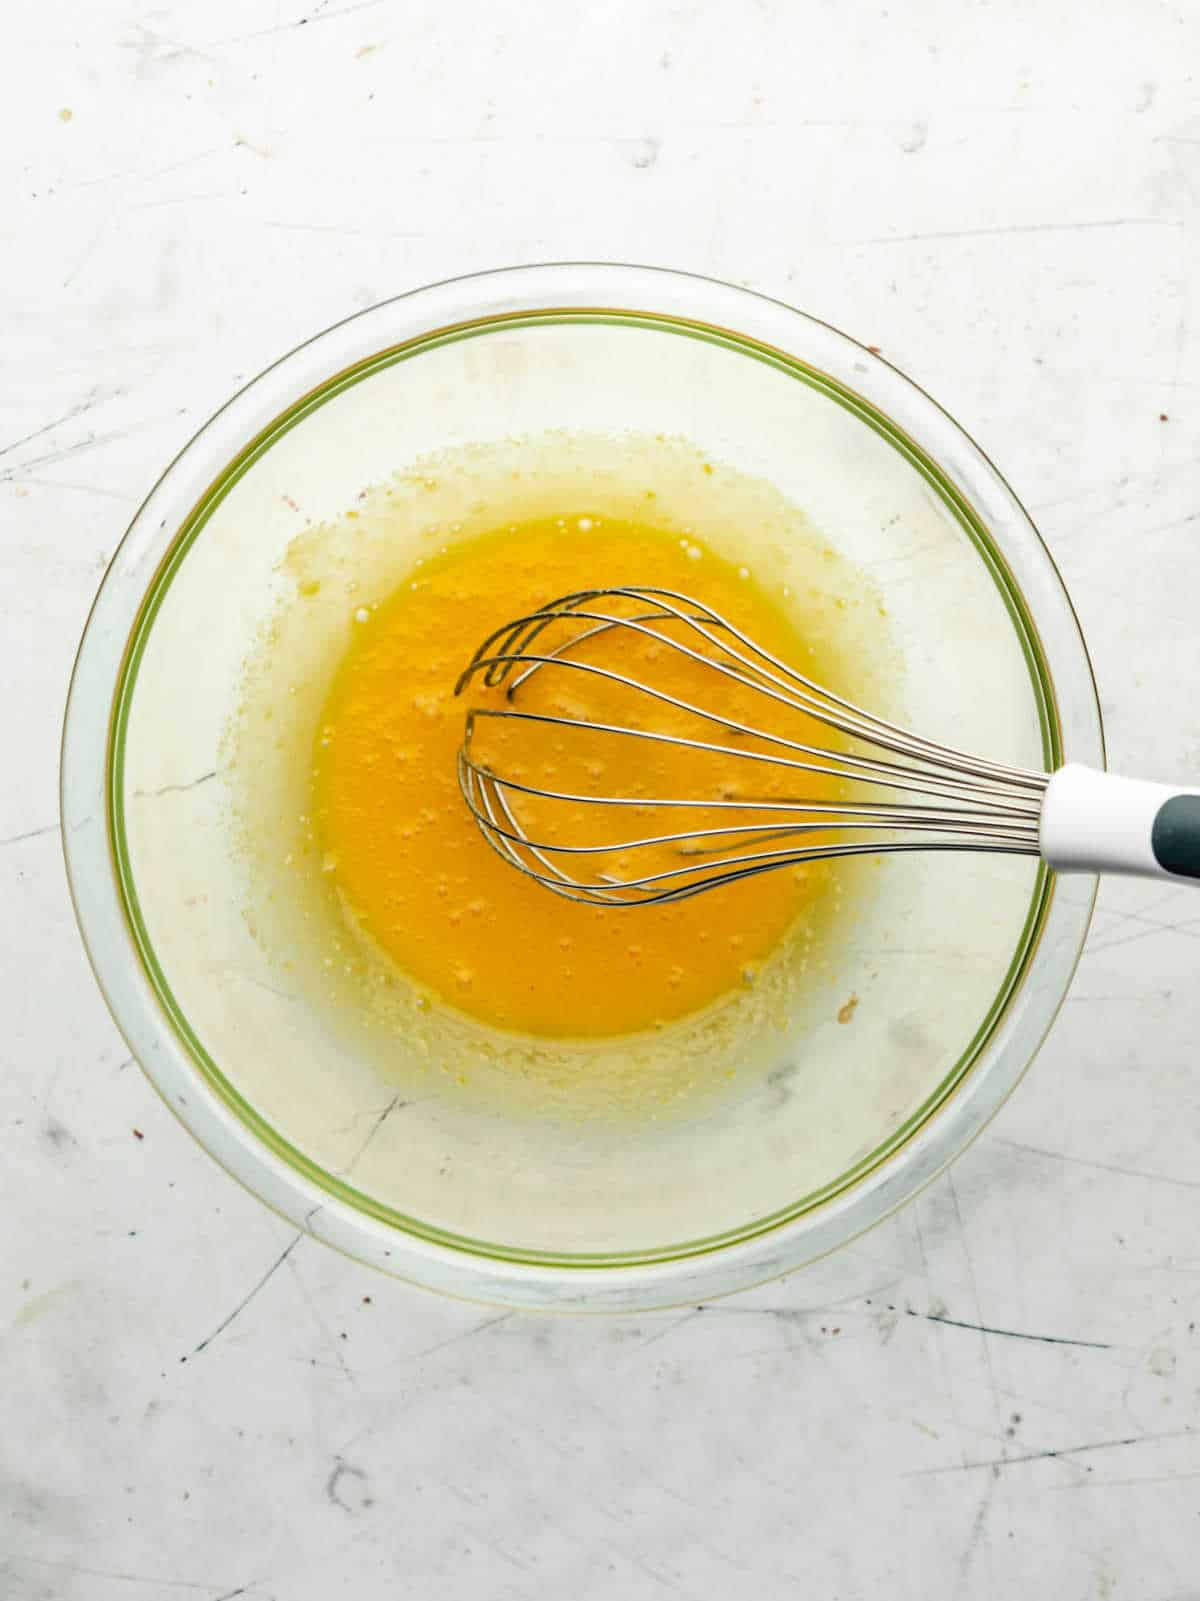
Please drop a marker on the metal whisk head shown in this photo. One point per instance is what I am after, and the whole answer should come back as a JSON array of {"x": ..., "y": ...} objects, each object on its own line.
[{"x": 579, "y": 674}]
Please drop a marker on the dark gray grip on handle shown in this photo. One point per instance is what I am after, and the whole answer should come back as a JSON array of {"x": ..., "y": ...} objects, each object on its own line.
[{"x": 1175, "y": 838}]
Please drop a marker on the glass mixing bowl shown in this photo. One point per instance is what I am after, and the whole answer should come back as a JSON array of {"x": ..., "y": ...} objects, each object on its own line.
[{"x": 959, "y": 962}]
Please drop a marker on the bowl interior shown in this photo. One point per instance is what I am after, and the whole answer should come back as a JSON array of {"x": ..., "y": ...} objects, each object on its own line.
[{"x": 942, "y": 944}]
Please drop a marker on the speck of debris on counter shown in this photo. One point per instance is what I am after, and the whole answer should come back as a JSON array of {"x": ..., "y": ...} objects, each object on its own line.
[{"x": 846, "y": 1012}]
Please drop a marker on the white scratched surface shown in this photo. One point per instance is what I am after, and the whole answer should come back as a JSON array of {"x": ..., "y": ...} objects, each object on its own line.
[{"x": 996, "y": 1394}]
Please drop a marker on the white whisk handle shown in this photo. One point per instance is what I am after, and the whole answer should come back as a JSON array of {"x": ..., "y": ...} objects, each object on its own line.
[{"x": 1095, "y": 822}]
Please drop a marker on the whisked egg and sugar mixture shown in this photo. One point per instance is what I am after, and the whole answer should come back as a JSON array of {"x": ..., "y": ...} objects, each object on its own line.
[
  {"x": 417, "y": 877},
  {"x": 369, "y": 872}
]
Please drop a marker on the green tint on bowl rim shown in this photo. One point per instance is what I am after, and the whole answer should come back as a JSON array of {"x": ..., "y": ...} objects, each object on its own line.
[{"x": 190, "y": 528}]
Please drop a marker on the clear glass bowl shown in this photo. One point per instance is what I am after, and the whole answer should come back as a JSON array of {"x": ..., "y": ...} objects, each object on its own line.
[{"x": 960, "y": 962}]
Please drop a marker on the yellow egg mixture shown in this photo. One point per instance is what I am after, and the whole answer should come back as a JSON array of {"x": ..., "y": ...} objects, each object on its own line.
[
  {"x": 422, "y": 886},
  {"x": 416, "y": 953}
]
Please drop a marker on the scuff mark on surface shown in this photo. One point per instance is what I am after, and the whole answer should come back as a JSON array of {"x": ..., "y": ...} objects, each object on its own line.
[
  {"x": 240, "y": 142},
  {"x": 155, "y": 51},
  {"x": 337, "y": 1484},
  {"x": 975, "y": 1535},
  {"x": 645, "y": 154},
  {"x": 58, "y": 1136}
]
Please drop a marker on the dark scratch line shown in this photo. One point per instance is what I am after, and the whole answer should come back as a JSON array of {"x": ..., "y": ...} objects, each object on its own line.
[
  {"x": 394, "y": 1105},
  {"x": 320, "y": 15},
  {"x": 675, "y": 1323},
  {"x": 465, "y": 1334},
  {"x": 245, "y": 1302},
  {"x": 1104, "y": 1167},
  {"x": 70, "y": 416},
  {"x": 1097, "y": 947},
  {"x": 32, "y": 833},
  {"x": 1118, "y": 914},
  {"x": 1047, "y": 1456},
  {"x": 174, "y": 789},
  {"x": 92, "y": 442},
  {"x": 107, "y": 1573},
  {"x": 1008, "y": 1334}
]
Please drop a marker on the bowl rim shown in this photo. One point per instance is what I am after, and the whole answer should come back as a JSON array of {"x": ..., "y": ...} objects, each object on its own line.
[{"x": 172, "y": 516}]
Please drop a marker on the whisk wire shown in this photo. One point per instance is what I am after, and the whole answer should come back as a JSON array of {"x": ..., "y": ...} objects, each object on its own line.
[
  {"x": 813, "y": 698},
  {"x": 995, "y": 808}
]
